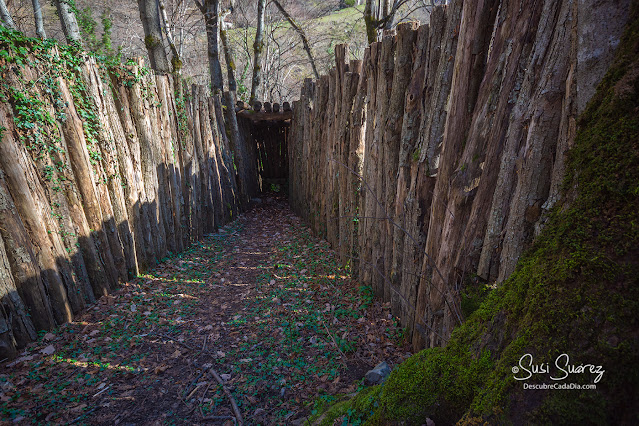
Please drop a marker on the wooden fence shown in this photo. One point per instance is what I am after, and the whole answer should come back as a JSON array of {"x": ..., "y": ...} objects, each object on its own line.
[
  {"x": 101, "y": 177},
  {"x": 431, "y": 164}
]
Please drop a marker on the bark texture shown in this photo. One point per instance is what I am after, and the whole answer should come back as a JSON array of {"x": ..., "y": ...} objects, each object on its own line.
[
  {"x": 153, "y": 39},
  {"x": 457, "y": 135},
  {"x": 114, "y": 170},
  {"x": 39, "y": 21},
  {"x": 258, "y": 47},
  {"x": 68, "y": 20}
]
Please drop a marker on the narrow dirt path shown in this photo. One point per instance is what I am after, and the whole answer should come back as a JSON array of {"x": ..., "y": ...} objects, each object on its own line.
[{"x": 262, "y": 303}]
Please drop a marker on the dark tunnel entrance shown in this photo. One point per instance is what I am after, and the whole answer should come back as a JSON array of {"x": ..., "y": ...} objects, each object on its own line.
[{"x": 266, "y": 135}]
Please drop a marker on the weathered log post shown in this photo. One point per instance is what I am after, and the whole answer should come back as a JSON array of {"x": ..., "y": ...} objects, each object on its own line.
[
  {"x": 23, "y": 275},
  {"x": 367, "y": 216},
  {"x": 16, "y": 328},
  {"x": 386, "y": 68},
  {"x": 170, "y": 161},
  {"x": 437, "y": 304},
  {"x": 355, "y": 160},
  {"x": 107, "y": 143},
  {"x": 142, "y": 118},
  {"x": 391, "y": 143},
  {"x": 344, "y": 167},
  {"x": 32, "y": 206},
  {"x": 403, "y": 268},
  {"x": 131, "y": 172}
]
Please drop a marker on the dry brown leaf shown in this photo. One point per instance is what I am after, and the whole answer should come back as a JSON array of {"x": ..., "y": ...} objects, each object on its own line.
[
  {"x": 160, "y": 369},
  {"x": 48, "y": 350}
]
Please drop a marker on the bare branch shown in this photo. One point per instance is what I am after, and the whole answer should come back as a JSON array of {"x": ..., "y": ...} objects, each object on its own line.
[{"x": 302, "y": 35}]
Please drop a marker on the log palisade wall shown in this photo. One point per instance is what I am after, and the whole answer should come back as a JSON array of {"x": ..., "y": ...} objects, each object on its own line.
[
  {"x": 433, "y": 162},
  {"x": 101, "y": 176}
]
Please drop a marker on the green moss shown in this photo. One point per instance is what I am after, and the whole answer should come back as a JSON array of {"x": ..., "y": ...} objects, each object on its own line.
[
  {"x": 353, "y": 411},
  {"x": 574, "y": 292},
  {"x": 150, "y": 42}
]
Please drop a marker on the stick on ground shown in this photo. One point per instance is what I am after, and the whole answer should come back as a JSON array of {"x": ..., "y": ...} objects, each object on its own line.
[{"x": 236, "y": 410}]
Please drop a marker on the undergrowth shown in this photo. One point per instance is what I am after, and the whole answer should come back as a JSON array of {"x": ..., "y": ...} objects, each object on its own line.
[{"x": 301, "y": 317}]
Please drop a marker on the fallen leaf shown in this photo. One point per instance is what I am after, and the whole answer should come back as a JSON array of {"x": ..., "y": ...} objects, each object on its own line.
[
  {"x": 160, "y": 369},
  {"x": 48, "y": 350}
]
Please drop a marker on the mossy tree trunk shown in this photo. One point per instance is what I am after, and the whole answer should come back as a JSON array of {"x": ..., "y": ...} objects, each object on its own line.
[
  {"x": 258, "y": 47},
  {"x": 153, "y": 39}
]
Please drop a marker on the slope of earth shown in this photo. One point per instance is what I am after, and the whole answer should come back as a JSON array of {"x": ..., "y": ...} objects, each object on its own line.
[{"x": 262, "y": 304}]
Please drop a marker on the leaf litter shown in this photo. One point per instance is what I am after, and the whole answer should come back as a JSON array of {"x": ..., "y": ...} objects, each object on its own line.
[{"x": 259, "y": 315}]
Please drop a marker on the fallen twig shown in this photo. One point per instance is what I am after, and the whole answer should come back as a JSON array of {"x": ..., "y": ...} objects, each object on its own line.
[
  {"x": 81, "y": 416},
  {"x": 175, "y": 340},
  {"x": 343, "y": 358},
  {"x": 103, "y": 390},
  {"x": 221, "y": 418},
  {"x": 236, "y": 410}
]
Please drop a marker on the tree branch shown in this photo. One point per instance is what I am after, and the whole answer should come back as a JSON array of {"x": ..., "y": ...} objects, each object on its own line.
[{"x": 302, "y": 35}]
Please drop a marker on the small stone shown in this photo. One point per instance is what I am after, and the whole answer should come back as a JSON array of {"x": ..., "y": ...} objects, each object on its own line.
[{"x": 378, "y": 374}]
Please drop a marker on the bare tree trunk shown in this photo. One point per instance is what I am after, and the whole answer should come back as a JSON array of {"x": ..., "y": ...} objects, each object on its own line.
[
  {"x": 150, "y": 16},
  {"x": 176, "y": 60},
  {"x": 388, "y": 13},
  {"x": 39, "y": 22},
  {"x": 258, "y": 46},
  {"x": 211, "y": 11},
  {"x": 69, "y": 22},
  {"x": 302, "y": 35},
  {"x": 230, "y": 64},
  {"x": 5, "y": 16}
]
